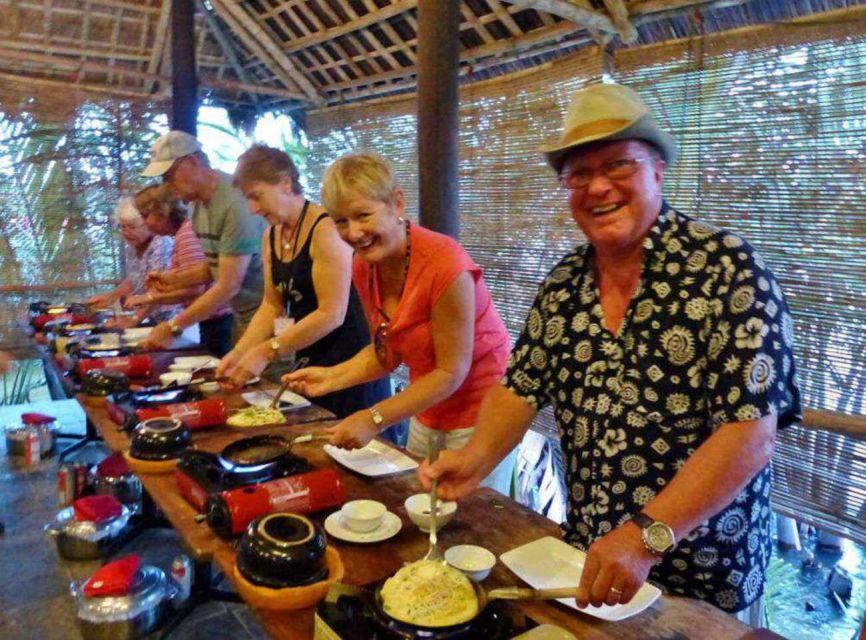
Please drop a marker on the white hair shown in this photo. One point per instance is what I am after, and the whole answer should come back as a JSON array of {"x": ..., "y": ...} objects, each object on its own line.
[{"x": 126, "y": 211}]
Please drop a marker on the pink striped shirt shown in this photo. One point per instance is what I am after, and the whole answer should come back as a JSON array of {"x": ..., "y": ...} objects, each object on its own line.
[{"x": 188, "y": 253}]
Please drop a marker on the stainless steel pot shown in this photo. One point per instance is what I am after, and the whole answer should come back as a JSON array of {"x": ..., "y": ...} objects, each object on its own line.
[
  {"x": 125, "y": 617},
  {"x": 86, "y": 540},
  {"x": 126, "y": 488}
]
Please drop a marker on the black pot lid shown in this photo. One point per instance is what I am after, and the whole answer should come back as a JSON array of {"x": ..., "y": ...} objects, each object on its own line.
[{"x": 159, "y": 425}]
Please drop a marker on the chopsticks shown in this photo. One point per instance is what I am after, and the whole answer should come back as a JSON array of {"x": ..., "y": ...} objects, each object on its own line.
[{"x": 286, "y": 384}]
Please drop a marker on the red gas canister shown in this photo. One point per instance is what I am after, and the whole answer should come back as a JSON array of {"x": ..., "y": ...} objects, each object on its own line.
[
  {"x": 195, "y": 415},
  {"x": 229, "y": 512},
  {"x": 138, "y": 366}
]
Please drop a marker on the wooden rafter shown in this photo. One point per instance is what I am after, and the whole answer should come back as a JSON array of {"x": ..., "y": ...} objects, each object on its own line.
[
  {"x": 53, "y": 62},
  {"x": 619, "y": 15},
  {"x": 359, "y": 23},
  {"x": 228, "y": 49},
  {"x": 247, "y": 30},
  {"x": 572, "y": 11},
  {"x": 657, "y": 9},
  {"x": 160, "y": 38},
  {"x": 504, "y": 47}
]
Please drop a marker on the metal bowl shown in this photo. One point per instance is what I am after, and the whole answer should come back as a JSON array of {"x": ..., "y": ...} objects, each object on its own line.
[
  {"x": 86, "y": 540},
  {"x": 125, "y": 617}
]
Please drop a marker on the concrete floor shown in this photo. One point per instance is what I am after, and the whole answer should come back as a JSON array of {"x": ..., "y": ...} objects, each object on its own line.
[{"x": 34, "y": 581}]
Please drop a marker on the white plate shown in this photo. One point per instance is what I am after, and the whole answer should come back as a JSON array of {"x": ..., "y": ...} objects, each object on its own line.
[
  {"x": 548, "y": 563},
  {"x": 136, "y": 333},
  {"x": 376, "y": 459},
  {"x": 391, "y": 525},
  {"x": 205, "y": 362},
  {"x": 265, "y": 398}
]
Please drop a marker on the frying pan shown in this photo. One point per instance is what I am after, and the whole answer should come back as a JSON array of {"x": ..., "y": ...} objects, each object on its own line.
[
  {"x": 261, "y": 450},
  {"x": 484, "y": 597}
]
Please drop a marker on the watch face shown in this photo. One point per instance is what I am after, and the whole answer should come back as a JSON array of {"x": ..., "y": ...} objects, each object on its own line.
[{"x": 659, "y": 537}]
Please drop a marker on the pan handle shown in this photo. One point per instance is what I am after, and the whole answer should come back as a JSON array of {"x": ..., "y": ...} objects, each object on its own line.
[{"x": 521, "y": 593}]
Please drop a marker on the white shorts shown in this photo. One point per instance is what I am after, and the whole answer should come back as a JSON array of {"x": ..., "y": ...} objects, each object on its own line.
[{"x": 499, "y": 479}]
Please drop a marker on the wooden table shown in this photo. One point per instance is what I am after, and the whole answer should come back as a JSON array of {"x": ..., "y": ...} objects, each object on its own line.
[{"x": 485, "y": 517}]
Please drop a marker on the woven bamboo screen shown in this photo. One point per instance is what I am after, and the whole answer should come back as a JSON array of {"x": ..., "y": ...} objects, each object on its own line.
[
  {"x": 772, "y": 134},
  {"x": 65, "y": 159}
]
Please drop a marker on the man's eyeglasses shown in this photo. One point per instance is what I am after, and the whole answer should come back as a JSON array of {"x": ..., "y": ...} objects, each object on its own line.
[
  {"x": 168, "y": 176},
  {"x": 613, "y": 170}
]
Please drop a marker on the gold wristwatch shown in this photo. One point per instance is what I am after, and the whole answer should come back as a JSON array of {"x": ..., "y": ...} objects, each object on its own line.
[
  {"x": 275, "y": 348},
  {"x": 175, "y": 328},
  {"x": 378, "y": 418}
]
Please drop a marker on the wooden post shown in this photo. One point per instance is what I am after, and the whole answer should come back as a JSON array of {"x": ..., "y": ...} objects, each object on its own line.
[
  {"x": 184, "y": 81},
  {"x": 438, "y": 104}
]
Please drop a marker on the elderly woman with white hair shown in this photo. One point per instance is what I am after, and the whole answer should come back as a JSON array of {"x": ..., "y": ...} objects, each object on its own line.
[{"x": 144, "y": 252}]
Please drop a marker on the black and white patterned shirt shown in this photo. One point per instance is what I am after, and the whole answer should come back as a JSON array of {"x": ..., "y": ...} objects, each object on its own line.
[{"x": 706, "y": 341}]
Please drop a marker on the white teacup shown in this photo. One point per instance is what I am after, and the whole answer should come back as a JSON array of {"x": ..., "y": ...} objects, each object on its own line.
[{"x": 363, "y": 516}]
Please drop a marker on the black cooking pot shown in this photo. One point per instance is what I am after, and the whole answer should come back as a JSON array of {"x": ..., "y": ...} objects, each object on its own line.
[
  {"x": 399, "y": 629},
  {"x": 281, "y": 550},
  {"x": 104, "y": 382},
  {"x": 159, "y": 439}
]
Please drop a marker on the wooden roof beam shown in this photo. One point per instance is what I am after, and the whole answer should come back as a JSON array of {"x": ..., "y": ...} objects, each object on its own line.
[
  {"x": 503, "y": 47},
  {"x": 619, "y": 15},
  {"x": 573, "y": 11},
  {"x": 56, "y": 63},
  {"x": 228, "y": 49},
  {"x": 263, "y": 47},
  {"x": 159, "y": 40},
  {"x": 647, "y": 10},
  {"x": 394, "y": 9}
]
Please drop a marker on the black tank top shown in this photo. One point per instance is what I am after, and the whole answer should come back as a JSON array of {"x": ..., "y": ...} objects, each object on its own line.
[{"x": 294, "y": 280}]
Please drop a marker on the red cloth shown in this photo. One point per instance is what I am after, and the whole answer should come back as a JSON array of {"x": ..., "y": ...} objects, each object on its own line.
[
  {"x": 434, "y": 263},
  {"x": 113, "y": 466},
  {"x": 97, "y": 508},
  {"x": 113, "y": 579},
  {"x": 36, "y": 418}
]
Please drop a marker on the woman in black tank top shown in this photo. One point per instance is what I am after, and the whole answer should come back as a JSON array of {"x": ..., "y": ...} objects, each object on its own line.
[{"x": 310, "y": 307}]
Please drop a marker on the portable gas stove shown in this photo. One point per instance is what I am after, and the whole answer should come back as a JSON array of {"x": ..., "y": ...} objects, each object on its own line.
[
  {"x": 122, "y": 407},
  {"x": 199, "y": 474},
  {"x": 349, "y": 613}
]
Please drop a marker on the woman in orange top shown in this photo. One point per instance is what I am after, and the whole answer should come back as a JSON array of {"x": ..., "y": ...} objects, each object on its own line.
[{"x": 428, "y": 308}]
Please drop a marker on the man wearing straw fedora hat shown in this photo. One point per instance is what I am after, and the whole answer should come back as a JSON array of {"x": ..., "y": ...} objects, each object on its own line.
[{"x": 664, "y": 346}]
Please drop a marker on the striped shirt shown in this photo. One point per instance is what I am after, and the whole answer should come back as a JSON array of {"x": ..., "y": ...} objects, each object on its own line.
[{"x": 188, "y": 253}]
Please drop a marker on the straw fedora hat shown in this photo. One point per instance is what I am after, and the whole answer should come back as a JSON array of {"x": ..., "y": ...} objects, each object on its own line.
[{"x": 607, "y": 112}]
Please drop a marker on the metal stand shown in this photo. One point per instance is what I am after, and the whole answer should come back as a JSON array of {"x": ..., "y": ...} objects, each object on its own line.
[
  {"x": 203, "y": 590},
  {"x": 90, "y": 435}
]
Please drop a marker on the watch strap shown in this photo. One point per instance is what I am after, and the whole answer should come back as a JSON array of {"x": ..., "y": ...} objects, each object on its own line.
[
  {"x": 175, "y": 328},
  {"x": 642, "y": 520}
]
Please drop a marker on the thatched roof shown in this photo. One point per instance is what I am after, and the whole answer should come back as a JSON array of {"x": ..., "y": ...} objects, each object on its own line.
[{"x": 265, "y": 54}]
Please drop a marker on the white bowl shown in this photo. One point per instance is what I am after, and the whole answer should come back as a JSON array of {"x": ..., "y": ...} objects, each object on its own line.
[
  {"x": 363, "y": 515},
  {"x": 179, "y": 377},
  {"x": 418, "y": 508},
  {"x": 209, "y": 388},
  {"x": 476, "y": 562}
]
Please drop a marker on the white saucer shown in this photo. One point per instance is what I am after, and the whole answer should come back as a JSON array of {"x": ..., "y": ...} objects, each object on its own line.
[{"x": 391, "y": 525}]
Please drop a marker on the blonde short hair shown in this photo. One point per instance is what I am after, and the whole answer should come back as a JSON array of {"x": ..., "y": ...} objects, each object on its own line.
[
  {"x": 367, "y": 175},
  {"x": 125, "y": 212}
]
